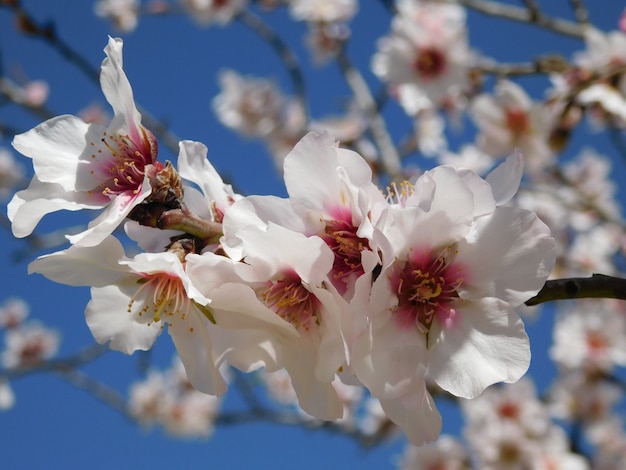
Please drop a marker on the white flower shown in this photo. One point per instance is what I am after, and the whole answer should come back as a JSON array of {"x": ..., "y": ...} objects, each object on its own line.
[
  {"x": 517, "y": 403},
  {"x": 29, "y": 344},
  {"x": 426, "y": 55},
  {"x": 447, "y": 453},
  {"x": 134, "y": 299},
  {"x": 88, "y": 166},
  {"x": 578, "y": 397},
  {"x": 167, "y": 398},
  {"x": 144, "y": 401},
  {"x": 280, "y": 315},
  {"x": 252, "y": 106},
  {"x": 323, "y": 11},
  {"x": 511, "y": 120},
  {"x": 123, "y": 13},
  {"x": 590, "y": 335},
  {"x": 13, "y": 312},
  {"x": 208, "y": 12},
  {"x": 443, "y": 307}
]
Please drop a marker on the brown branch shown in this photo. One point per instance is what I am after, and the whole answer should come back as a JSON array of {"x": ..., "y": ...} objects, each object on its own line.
[
  {"x": 598, "y": 286},
  {"x": 525, "y": 15}
]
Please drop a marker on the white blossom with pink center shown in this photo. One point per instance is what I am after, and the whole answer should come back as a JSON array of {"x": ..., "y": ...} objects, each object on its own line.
[
  {"x": 209, "y": 12},
  {"x": 443, "y": 307},
  {"x": 134, "y": 299},
  {"x": 281, "y": 315},
  {"x": 509, "y": 120},
  {"x": 331, "y": 190},
  {"x": 426, "y": 56},
  {"x": 590, "y": 336},
  {"x": 29, "y": 344},
  {"x": 88, "y": 166}
]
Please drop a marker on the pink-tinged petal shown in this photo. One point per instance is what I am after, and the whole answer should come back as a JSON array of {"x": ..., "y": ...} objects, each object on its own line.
[
  {"x": 237, "y": 307},
  {"x": 510, "y": 254},
  {"x": 413, "y": 229},
  {"x": 506, "y": 177},
  {"x": 416, "y": 414},
  {"x": 486, "y": 344},
  {"x": 112, "y": 216},
  {"x": 117, "y": 89},
  {"x": 109, "y": 320},
  {"x": 30, "y": 205},
  {"x": 78, "y": 266},
  {"x": 61, "y": 151},
  {"x": 193, "y": 344}
]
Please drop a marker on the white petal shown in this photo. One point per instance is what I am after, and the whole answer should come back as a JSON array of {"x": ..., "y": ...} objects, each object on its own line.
[
  {"x": 116, "y": 87},
  {"x": 112, "y": 216},
  {"x": 196, "y": 352},
  {"x": 77, "y": 266},
  {"x": 506, "y": 177},
  {"x": 508, "y": 255},
  {"x": 109, "y": 320},
  {"x": 61, "y": 151},
  {"x": 29, "y": 206},
  {"x": 310, "y": 170},
  {"x": 317, "y": 398},
  {"x": 194, "y": 166},
  {"x": 486, "y": 344},
  {"x": 416, "y": 414}
]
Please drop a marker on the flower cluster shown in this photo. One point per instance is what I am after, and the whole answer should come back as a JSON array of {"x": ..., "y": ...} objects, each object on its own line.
[
  {"x": 401, "y": 293},
  {"x": 27, "y": 344}
]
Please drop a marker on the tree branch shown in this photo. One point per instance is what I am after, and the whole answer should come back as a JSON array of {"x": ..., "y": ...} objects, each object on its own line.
[
  {"x": 598, "y": 286},
  {"x": 525, "y": 15}
]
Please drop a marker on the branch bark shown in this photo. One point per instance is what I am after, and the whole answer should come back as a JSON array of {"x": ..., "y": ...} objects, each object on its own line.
[{"x": 598, "y": 286}]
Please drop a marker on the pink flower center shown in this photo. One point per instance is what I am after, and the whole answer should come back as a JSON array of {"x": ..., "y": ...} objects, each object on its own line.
[
  {"x": 347, "y": 246},
  {"x": 429, "y": 62},
  {"x": 292, "y": 302},
  {"x": 426, "y": 285},
  {"x": 518, "y": 122},
  {"x": 122, "y": 161}
]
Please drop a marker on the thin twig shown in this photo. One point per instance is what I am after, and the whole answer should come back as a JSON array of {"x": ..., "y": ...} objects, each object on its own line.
[
  {"x": 580, "y": 11},
  {"x": 82, "y": 357},
  {"x": 98, "y": 390},
  {"x": 524, "y": 15},
  {"x": 47, "y": 32},
  {"x": 367, "y": 103},
  {"x": 283, "y": 51}
]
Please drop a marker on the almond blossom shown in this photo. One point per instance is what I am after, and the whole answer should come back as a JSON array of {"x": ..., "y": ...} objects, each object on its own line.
[
  {"x": 425, "y": 58},
  {"x": 134, "y": 299},
  {"x": 509, "y": 119},
  {"x": 445, "y": 302},
  {"x": 88, "y": 166},
  {"x": 29, "y": 344},
  {"x": 209, "y": 12},
  {"x": 280, "y": 315}
]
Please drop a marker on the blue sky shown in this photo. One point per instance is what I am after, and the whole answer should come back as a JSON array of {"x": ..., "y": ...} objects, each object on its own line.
[{"x": 172, "y": 65}]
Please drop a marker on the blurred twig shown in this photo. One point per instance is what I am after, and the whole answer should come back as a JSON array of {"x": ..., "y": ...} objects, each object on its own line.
[
  {"x": 283, "y": 51},
  {"x": 525, "y": 15}
]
